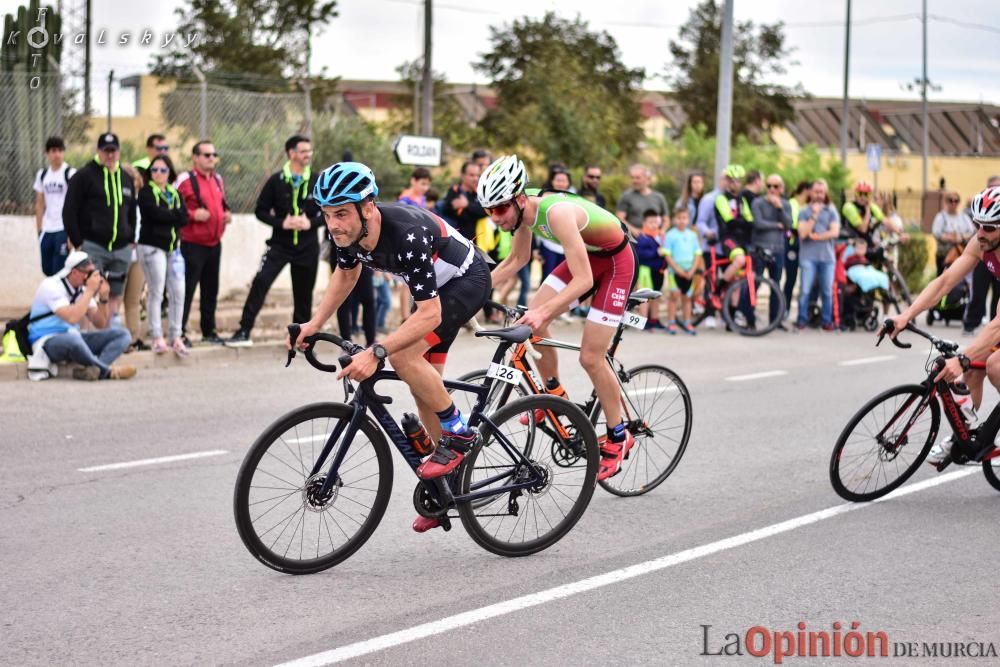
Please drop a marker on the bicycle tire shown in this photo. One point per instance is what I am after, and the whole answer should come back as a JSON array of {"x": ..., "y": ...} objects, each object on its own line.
[
  {"x": 898, "y": 395},
  {"x": 477, "y": 519},
  {"x": 745, "y": 328},
  {"x": 990, "y": 468},
  {"x": 242, "y": 501},
  {"x": 626, "y": 483}
]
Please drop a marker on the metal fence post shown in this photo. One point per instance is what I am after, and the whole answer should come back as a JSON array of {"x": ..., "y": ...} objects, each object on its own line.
[
  {"x": 306, "y": 87},
  {"x": 203, "y": 86},
  {"x": 111, "y": 79}
]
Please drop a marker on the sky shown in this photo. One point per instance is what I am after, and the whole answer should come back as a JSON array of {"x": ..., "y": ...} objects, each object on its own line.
[{"x": 370, "y": 38}]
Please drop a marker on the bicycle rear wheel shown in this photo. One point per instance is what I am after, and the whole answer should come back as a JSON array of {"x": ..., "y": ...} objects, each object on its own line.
[
  {"x": 562, "y": 457},
  {"x": 757, "y": 318},
  {"x": 991, "y": 468},
  {"x": 281, "y": 516},
  {"x": 884, "y": 443},
  {"x": 658, "y": 414}
]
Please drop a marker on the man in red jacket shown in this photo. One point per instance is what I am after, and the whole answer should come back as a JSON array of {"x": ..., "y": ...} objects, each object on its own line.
[{"x": 201, "y": 239}]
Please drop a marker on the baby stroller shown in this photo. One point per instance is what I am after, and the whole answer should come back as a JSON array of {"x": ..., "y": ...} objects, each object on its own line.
[
  {"x": 952, "y": 306},
  {"x": 855, "y": 301}
]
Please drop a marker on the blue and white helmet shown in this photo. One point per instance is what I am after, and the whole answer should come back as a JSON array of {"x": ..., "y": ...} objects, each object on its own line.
[{"x": 344, "y": 183}]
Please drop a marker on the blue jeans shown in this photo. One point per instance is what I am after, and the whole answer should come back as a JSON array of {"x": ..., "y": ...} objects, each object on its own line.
[
  {"x": 53, "y": 249},
  {"x": 810, "y": 271},
  {"x": 383, "y": 301},
  {"x": 89, "y": 348},
  {"x": 524, "y": 275}
]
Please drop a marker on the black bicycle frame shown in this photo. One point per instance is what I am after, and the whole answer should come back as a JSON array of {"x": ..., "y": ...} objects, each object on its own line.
[{"x": 363, "y": 402}]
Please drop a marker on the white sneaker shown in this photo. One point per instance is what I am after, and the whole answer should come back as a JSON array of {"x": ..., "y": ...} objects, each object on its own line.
[
  {"x": 939, "y": 452},
  {"x": 710, "y": 322}
]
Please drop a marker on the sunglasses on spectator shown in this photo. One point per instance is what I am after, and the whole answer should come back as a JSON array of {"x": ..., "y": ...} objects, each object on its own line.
[
  {"x": 209, "y": 154},
  {"x": 162, "y": 149},
  {"x": 499, "y": 209},
  {"x": 774, "y": 186},
  {"x": 159, "y": 170},
  {"x": 986, "y": 226},
  {"x": 951, "y": 200},
  {"x": 595, "y": 177}
]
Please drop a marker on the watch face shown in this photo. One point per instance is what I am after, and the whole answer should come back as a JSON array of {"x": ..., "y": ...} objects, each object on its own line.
[{"x": 379, "y": 351}]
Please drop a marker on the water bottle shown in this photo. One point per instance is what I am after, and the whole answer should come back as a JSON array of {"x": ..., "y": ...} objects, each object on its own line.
[
  {"x": 967, "y": 410},
  {"x": 177, "y": 263},
  {"x": 416, "y": 434}
]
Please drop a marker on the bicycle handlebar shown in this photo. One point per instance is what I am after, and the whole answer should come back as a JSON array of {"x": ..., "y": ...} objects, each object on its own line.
[
  {"x": 344, "y": 360},
  {"x": 946, "y": 347}
]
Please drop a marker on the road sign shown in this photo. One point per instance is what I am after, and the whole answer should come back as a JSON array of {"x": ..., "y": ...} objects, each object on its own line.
[
  {"x": 422, "y": 151},
  {"x": 874, "y": 155}
]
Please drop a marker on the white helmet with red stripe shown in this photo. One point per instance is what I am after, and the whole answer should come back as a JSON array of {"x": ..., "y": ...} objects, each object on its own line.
[
  {"x": 502, "y": 181},
  {"x": 986, "y": 206}
]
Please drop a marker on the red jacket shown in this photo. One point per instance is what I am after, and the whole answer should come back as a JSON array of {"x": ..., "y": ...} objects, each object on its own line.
[{"x": 212, "y": 194}]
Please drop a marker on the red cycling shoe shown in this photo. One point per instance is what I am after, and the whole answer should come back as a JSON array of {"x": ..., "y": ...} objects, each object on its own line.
[
  {"x": 612, "y": 455},
  {"x": 424, "y": 523},
  {"x": 447, "y": 456}
]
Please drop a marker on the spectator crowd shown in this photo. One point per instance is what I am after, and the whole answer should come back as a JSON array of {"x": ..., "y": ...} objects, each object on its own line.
[{"x": 115, "y": 237}]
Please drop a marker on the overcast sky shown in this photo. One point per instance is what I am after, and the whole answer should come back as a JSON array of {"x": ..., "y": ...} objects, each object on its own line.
[{"x": 371, "y": 37}]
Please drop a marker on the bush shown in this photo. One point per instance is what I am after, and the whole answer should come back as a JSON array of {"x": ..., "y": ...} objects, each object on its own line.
[{"x": 916, "y": 260}]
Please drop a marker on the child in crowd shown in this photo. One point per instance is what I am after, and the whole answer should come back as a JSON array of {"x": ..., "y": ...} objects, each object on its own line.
[
  {"x": 651, "y": 265},
  {"x": 433, "y": 197},
  {"x": 420, "y": 183},
  {"x": 682, "y": 252}
]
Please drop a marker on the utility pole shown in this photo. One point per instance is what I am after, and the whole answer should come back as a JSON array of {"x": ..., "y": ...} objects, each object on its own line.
[
  {"x": 427, "y": 113},
  {"x": 923, "y": 98},
  {"x": 86, "y": 60},
  {"x": 845, "y": 110},
  {"x": 111, "y": 80},
  {"x": 724, "y": 110}
]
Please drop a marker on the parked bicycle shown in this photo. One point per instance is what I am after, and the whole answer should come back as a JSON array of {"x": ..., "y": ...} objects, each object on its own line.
[
  {"x": 884, "y": 444},
  {"x": 751, "y": 305},
  {"x": 316, "y": 483},
  {"x": 655, "y": 402}
]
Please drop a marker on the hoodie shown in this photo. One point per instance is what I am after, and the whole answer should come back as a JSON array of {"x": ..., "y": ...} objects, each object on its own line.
[{"x": 100, "y": 206}]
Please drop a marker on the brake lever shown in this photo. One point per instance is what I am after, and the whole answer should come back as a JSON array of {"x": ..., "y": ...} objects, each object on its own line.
[{"x": 293, "y": 334}]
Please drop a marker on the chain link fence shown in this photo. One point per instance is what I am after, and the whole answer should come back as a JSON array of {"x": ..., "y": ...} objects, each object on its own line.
[
  {"x": 31, "y": 112},
  {"x": 248, "y": 130}
]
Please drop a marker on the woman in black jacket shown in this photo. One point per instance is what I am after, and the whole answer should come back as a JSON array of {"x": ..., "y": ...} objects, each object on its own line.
[{"x": 163, "y": 214}]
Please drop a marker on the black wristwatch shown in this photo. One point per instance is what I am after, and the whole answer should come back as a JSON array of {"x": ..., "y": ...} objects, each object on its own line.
[
  {"x": 379, "y": 351},
  {"x": 965, "y": 362}
]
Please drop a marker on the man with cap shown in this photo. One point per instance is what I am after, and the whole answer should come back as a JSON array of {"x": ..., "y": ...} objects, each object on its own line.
[
  {"x": 100, "y": 215},
  {"x": 61, "y": 303}
]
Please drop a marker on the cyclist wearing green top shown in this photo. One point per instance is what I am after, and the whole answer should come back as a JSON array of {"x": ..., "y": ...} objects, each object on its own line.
[
  {"x": 600, "y": 261},
  {"x": 732, "y": 213}
]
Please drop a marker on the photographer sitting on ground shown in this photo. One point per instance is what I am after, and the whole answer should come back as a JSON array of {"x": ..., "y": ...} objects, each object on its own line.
[{"x": 68, "y": 297}]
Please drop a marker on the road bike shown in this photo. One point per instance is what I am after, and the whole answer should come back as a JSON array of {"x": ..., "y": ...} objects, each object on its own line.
[
  {"x": 316, "y": 483},
  {"x": 655, "y": 402},
  {"x": 752, "y": 305},
  {"x": 885, "y": 442}
]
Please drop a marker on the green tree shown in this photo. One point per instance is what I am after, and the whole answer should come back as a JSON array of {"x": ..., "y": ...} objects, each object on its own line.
[
  {"x": 451, "y": 121},
  {"x": 759, "y": 55},
  {"x": 335, "y": 134},
  {"x": 254, "y": 44},
  {"x": 562, "y": 92}
]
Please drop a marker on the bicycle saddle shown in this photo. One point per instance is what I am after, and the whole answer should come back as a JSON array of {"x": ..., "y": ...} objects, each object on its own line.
[
  {"x": 516, "y": 334},
  {"x": 644, "y": 294}
]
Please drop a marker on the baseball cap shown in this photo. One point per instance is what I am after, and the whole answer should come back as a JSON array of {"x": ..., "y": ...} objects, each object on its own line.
[
  {"x": 108, "y": 139},
  {"x": 75, "y": 260}
]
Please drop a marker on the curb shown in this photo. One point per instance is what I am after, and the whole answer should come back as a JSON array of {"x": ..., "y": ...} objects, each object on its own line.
[{"x": 208, "y": 355}]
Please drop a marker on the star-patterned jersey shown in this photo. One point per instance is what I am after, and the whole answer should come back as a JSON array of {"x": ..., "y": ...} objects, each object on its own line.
[{"x": 416, "y": 245}]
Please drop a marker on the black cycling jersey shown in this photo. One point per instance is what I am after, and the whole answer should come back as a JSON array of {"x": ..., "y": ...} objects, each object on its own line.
[{"x": 416, "y": 245}]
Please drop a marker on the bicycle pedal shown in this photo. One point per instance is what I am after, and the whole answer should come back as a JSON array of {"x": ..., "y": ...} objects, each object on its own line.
[{"x": 445, "y": 523}]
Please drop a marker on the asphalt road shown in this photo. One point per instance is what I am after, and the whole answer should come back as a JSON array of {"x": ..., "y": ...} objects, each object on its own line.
[{"x": 143, "y": 565}]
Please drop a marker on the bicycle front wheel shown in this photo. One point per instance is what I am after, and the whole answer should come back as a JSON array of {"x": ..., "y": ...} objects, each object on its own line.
[
  {"x": 656, "y": 407},
  {"x": 557, "y": 454},
  {"x": 754, "y": 313},
  {"x": 884, "y": 443},
  {"x": 282, "y": 515},
  {"x": 991, "y": 468}
]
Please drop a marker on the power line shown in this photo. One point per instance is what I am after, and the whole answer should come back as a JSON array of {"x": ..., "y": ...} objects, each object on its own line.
[{"x": 964, "y": 24}]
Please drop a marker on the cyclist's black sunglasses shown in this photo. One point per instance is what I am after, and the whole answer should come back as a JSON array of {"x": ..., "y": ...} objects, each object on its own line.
[{"x": 986, "y": 226}]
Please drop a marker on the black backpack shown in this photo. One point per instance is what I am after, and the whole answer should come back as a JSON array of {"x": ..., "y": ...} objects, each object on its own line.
[
  {"x": 20, "y": 329},
  {"x": 196, "y": 190},
  {"x": 68, "y": 174}
]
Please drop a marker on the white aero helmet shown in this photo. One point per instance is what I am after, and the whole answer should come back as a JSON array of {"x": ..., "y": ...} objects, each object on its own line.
[
  {"x": 986, "y": 206},
  {"x": 502, "y": 181}
]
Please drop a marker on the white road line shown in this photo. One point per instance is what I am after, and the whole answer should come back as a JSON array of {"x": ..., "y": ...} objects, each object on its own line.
[
  {"x": 866, "y": 360},
  {"x": 616, "y": 576},
  {"x": 755, "y": 376},
  {"x": 151, "y": 462}
]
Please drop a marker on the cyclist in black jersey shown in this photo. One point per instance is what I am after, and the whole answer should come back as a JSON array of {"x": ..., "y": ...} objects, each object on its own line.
[{"x": 449, "y": 282}]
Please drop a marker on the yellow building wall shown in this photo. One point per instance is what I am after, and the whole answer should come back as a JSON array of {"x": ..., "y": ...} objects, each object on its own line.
[{"x": 967, "y": 175}]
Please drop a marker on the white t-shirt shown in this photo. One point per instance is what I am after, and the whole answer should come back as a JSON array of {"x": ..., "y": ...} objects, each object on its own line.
[
  {"x": 54, "y": 189},
  {"x": 52, "y": 295},
  {"x": 945, "y": 223}
]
